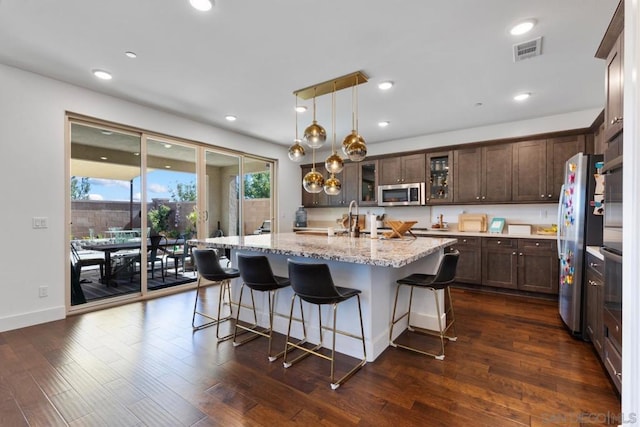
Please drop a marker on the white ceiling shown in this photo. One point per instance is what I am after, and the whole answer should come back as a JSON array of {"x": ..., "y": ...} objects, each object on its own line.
[{"x": 246, "y": 57}]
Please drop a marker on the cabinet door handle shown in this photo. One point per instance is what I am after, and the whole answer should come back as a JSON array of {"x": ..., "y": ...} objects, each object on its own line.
[
  {"x": 513, "y": 253},
  {"x": 477, "y": 197},
  {"x": 520, "y": 254},
  {"x": 499, "y": 242},
  {"x": 482, "y": 197},
  {"x": 616, "y": 120},
  {"x": 464, "y": 241},
  {"x": 549, "y": 195},
  {"x": 537, "y": 244},
  {"x": 593, "y": 264},
  {"x": 542, "y": 196}
]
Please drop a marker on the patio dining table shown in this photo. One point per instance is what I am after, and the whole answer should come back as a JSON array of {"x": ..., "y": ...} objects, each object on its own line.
[{"x": 109, "y": 248}]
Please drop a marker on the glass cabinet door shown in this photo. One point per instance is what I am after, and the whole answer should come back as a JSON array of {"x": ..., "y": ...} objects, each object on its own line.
[
  {"x": 368, "y": 185},
  {"x": 440, "y": 181}
]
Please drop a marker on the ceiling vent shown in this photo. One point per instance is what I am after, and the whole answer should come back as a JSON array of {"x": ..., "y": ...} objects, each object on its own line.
[{"x": 527, "y": 49}]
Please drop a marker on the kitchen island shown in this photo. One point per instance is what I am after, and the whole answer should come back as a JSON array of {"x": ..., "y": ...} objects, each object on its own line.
[{"x": 371, "y": 265}]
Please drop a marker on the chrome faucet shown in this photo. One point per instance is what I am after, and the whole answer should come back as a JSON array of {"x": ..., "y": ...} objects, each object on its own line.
[{"x": 352, "y": 224}]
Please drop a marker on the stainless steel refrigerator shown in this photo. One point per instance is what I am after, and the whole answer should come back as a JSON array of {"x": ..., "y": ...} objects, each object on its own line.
[{"x": 578, "y": 227}]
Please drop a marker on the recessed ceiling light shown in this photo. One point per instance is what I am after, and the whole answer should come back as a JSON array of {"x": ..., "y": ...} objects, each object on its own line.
[
  {"x": 136, "y": 154},
  {"x": 523, "y": 27},
  {"x": 231, "y": 118},
  {"x": 167, "y": 145},
  {"x": 201, "y": 5},
  {"x": 167, "y": 167},
  {"x": 385, "y": 85},
  {"x": 103, "y": 158},
  {"x": 478, "y": 104},
  {"x": 522, "y": 96},
  {"x": 106, "y": 132},
  {"x": 131, "y": 54},
  {"x": 301, "y": 108},
  {"x": 383, "y": 124},
  {"x": 101, "y": 74}
]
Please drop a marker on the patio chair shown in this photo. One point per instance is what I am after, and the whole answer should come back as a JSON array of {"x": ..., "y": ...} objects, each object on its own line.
[
  {"x": 179, "y": 256},
  {"x": 152, "y": 255},
  {"x": 87, "y": 260}
]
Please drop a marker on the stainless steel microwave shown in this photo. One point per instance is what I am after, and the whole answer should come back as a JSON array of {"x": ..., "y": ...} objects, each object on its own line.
[{"x": 401, "y": 194}]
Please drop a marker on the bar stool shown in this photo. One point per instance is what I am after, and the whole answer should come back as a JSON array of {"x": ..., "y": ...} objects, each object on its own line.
[
  {"x": 432, "y": 282},
  {"x": 257, "y": 275},
  {"x": 313, "y": 284},
  {"x": 208, "y": 266}
]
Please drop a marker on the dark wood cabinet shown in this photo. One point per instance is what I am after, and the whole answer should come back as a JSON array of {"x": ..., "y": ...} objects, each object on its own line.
[
  {"x": 613, "y": 112},
  {"x": 313, "y": 200},
  {"x": 500, "y": 262},
  {"x": 595, "y": 303},
  {"x": 483, "y": 174},
  {"x": 439, "y": 184},
  {"x": 470, "y": 260},
  {"x": 538, "y": 167},
  {"x": 524, "y": 264},
  {"x": 538, "y": 266},
  {"x": 368, "y": 183},
  {"x": 349, "y": 180},
  {"x": 402, "y": 169}
]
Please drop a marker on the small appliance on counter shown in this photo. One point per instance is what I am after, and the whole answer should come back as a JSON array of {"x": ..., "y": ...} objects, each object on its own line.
[
  {"x": 473, "y": 222},
  {"x": 301, "y": 217}
]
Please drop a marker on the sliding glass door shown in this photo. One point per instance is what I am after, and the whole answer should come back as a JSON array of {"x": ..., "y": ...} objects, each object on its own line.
[
  {"x": 105, "y": 234},
  {"x": 136, "y": 198}
]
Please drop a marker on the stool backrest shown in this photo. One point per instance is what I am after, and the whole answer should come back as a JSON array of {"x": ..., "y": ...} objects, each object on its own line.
[
  {"x": 208, "y": 264},
  {"x": 255, "y": 270},
  {"x": 312, "y": 282},
  {"x": 447, "y": 269}
]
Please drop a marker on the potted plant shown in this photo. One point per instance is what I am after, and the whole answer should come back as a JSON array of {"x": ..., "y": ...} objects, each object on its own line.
[
  {"x": 159, "y": 219},
  {"x": 192, "y": 217}
]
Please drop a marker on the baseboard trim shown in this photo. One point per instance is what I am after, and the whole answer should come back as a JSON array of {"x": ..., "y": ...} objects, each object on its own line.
[{"x": 24, "y": 320}]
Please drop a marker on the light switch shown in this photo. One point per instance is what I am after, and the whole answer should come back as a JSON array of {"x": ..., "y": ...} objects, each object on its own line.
[{"x": 39, "y": 222}]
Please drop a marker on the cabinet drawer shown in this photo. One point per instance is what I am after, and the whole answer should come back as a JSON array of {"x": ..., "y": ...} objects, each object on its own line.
[
  {"x": 595, "y": 265},
  {"x": 498, "y": 242},
  {"x": 613, "y": 328},
  {"x": 613, "y": 362},
  {"x": 466, "y": 241},
  {"x": 532, "y": 244}
]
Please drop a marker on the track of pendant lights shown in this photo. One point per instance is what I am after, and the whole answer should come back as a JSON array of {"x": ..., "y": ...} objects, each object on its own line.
[{"x": 353, "y": 145}]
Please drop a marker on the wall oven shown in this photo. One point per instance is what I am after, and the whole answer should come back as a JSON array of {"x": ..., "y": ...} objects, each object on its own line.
[{"x": 401, "y": 194}]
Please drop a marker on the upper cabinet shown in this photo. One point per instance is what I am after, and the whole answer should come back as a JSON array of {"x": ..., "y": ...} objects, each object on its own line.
[
  {"x": 439, "y": 177},
  {"x": 483, "y": 174},
  {"x": 402, "y": 169},
  {"x": 368, "y": 182},
  {"x": 538, "y": 167},
  {"x": 611, "y": 49},
  {"x": 613, "y": 111}
]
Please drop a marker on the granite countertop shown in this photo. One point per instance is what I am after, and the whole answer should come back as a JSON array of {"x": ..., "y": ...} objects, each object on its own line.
[{"x": 394, "y": 253}]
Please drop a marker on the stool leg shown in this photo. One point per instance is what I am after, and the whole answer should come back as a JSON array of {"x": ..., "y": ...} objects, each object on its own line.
[
  {"x": 299, "y": 344},
  {"x": 393, "y": 316},
  {"x": 441, "y": 331},
  {"x": 213, "y": 320},
  {"x": 409, "y": 327},
  {"x": 345, "y": 377},
  {"x": 453, "y": 318},
  {"x": 226, "y": 286}
]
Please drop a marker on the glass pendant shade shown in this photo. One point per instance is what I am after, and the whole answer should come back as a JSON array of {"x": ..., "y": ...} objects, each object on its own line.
[
  {"x": 350, "y": 139},
  {"x": 357, "y": 151},
  {"x": 313, "y": 182},
  {"x": 315, "y": 135},
  {"x": 334, "y": 163},
  {"x": 296, "y": 151},
  {"x": 332, "y": 186}
]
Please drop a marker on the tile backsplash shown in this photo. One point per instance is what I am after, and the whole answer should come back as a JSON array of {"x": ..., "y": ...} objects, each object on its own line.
[{"x": 539, "y": 214}]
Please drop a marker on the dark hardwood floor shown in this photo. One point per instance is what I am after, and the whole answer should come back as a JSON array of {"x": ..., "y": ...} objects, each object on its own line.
[{"x": 141, "y": 364}]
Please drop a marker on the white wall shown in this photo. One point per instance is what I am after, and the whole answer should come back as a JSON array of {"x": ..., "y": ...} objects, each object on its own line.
[{"x": 32, "y": 166}]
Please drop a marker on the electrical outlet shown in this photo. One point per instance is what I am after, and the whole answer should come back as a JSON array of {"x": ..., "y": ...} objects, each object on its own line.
[
  {"x": 39, "y": 222},
  {"x": 43, "y": 291}
]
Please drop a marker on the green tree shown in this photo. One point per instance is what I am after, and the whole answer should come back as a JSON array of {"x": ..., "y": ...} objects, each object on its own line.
[
  {"x": 80, "y": 188},
  {"x": 257, "y": 185},
  {"x": 184, "y": 192}
]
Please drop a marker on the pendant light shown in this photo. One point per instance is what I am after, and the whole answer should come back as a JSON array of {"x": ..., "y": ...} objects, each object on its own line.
[
  {"x": 353, "y": 144},
  {"x": 313, "y": 181},
  {"x": 296, "y": 151},
  {"x": 334, "y": 163},
  {"x": 314, "y": 134}
]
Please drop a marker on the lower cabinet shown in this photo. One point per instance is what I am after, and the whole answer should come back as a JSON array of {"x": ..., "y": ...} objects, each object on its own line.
[
  {"x": 595, "y": 303},
  {"x": 469, "y": 262},
  {"x": 512, "y": 263}
]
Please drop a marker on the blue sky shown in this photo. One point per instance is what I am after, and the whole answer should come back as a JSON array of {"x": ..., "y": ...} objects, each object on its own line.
[{"x": 159, "y": 182}]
